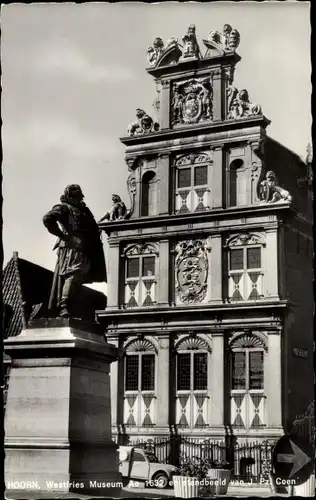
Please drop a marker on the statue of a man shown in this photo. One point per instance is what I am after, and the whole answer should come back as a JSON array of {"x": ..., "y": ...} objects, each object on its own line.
[{"x": 80, "y": 253}]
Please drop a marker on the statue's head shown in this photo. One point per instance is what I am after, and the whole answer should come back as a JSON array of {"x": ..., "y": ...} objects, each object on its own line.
[
  {"x": 243, "y": 95},
  {"x": 191, "y": 29},
  {"x": 116, "y": 198},
  {"x": 158, "y": 43},
  {"x": 140, "y": 113},
  {"x": 227, "y": 29},
  {"x": 72, "y": 193},
  {"x": 270, "y": 176}
]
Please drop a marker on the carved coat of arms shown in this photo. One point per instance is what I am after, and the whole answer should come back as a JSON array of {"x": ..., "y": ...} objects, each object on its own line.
[
  {"x": 191, "y": 271},
  {"x": 192, "y": 101}
]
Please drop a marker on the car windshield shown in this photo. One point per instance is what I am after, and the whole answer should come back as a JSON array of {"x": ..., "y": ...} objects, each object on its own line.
[{"x": 151, "y": 457}]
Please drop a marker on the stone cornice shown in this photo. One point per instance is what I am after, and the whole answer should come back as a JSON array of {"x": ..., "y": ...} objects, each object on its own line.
[
  {"x": 194, "y": 66},
  {"x": 219, "y": 317},
  {"x": 176, "y": 219},
  {"x": 198, "y": 129}
]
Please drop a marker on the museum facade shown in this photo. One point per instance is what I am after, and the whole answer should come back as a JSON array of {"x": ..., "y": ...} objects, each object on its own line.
[{"x": 210, "y": 270}]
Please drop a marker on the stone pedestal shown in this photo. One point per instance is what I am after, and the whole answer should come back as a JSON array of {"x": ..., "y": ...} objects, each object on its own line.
[{"x": 58, "y": 413}]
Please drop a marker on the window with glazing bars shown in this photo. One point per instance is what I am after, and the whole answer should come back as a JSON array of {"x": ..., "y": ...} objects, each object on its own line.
[
  {"x": 192, "y": 371},
  {"x": 247, "y": 370},
  {"x": 245, "y": 273},
  {"x": 192, "y": 189},
  {"x": 140, "y": 281},
  {"x": 140, "y": 372}
]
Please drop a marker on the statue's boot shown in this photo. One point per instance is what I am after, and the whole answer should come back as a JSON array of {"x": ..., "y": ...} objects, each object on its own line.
[{"x": 71, "y": 286}]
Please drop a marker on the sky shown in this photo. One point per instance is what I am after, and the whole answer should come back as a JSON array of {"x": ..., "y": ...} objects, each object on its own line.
[{"x": 74, "y": 74}]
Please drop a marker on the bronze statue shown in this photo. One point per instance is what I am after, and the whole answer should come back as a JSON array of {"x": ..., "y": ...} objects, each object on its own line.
[{"x": 80, "y": 253}]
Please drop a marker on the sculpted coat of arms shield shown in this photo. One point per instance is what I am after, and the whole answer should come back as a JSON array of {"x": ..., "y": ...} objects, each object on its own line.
[{"x": 191, "y": 271}]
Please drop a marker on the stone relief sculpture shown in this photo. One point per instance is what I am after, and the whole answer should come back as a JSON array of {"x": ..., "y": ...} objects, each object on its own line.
[
  {"x": 190, "y": 44},
  {"x": 143, "y": 125},
  {"x": 271, "y": 192},
  {"x": 239, "y": 105},
  {"x": 80, "y": 253},
  {"x": 229, "y": 39},
  {"x": 118, "y": 210},
  {"x": 191, "y": 271},
  {"x": 192, "y": 101}
]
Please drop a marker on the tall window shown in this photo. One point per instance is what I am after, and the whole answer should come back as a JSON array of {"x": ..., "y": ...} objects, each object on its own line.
[
  {"x": 140, "y": 384},
  {"x": 140, "y": 277},
  {"x": 247, "y": 382},
  {"x": 149, "y": 192},
  {"x": 245, "y": 274},
  {"x": 192, "y": 193},
  {"x": 192, "y": 363}
]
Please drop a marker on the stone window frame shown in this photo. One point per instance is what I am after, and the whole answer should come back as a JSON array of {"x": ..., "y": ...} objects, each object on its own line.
[
  {"x": 141, "y": 347},
  {"x": 191, "y": 161},
  {"x": 244, "y": 242},
  {"x": 140, "y": 251},
  {"x": 193, "y": 344},
  {"x": 248, "y": 342}
]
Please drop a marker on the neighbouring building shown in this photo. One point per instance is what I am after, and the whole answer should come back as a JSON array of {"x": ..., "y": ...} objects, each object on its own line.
[{"x": 210, "y": 292}]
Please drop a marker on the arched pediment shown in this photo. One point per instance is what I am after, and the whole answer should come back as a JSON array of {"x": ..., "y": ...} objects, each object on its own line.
[
  {"x": 171, "y": 55},
  {"x": 140, "y": 345},
  {"x": 141, "y": 248},
  {"x": 213, "y": 49},
  {"x": 193, "y": 343},
  {"x": 192, "y": 158},
  {"x": 245, "y": 239},
  {"x": 241, "y": 340}
]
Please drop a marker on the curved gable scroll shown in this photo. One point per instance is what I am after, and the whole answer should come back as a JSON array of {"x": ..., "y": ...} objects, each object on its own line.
[
  {"x": 141, "y": 248},
  {"x": 193, "y": 343},
  {"x": 245, "y": 239},
  {"x": 242, "y": 340}
]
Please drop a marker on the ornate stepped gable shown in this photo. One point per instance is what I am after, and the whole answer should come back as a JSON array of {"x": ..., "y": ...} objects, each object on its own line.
[{"x": 192, "y": 101}]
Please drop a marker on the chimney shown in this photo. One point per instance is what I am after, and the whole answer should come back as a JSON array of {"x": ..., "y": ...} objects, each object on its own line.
[{"x": 15, "y": 255}]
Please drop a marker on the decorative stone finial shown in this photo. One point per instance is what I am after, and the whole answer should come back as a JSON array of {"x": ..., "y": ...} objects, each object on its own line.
[
  {"x": 155, "y": 51},
  {"x": 143, "y": 125},
  {"x": 271, "y": 192},
  {"x": 191, "y": 47},
  {"x": 239, "y": 105},
  {"x": 309, "y": 154},
  {"x": 229, "y": 39}
]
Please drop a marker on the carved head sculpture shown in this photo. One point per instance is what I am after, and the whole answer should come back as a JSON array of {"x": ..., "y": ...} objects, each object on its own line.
[
  {"x": 116, "y": 199},
  {"x": 191, "y": 29},
  {"x": 243, "y": 95},
  {"x": 271, "y": 177},
  {"x": 158, "y": 43},
  {"x": 227, "y": 29},
  {"x": 140, "y": 113},
  {"x": 72, "y": 194}
]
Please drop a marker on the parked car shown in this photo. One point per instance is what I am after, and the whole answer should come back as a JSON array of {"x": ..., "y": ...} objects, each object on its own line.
[{"x": 142, "y": 465}]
